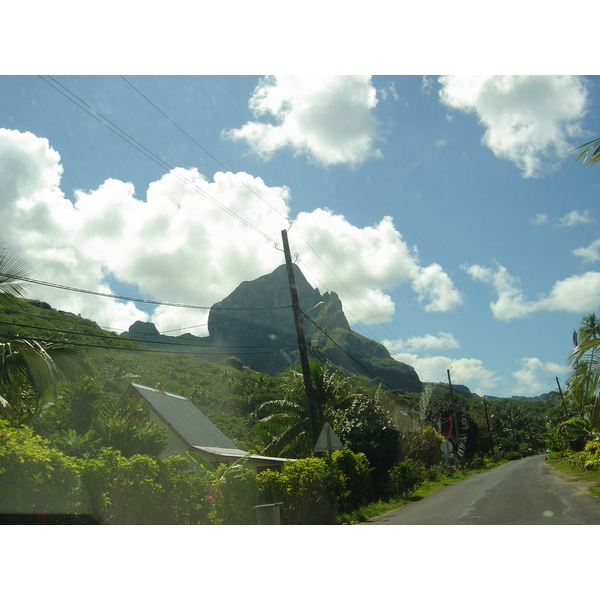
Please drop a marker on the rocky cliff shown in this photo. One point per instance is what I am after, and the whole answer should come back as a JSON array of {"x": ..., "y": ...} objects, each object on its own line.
[
  {"x": 266, "y": 339},
  {"x": 255, "y": 323}
]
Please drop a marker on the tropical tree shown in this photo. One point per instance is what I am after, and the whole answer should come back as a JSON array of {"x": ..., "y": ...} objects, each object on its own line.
[
  {"x": 29, "y": 369},
  {"x": 590, "y": 152},
  {"x": 286, "y": 421},
  {"x": 12, "y": 270},
  {"x": 583, "y": 385}
]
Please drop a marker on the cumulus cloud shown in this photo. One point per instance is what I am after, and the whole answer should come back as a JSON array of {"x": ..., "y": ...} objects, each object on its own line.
[
  {"x": 575, "y": 217},
  {"x": 527, "y": 119},
  {"x": 328, "y": 118},
  {"x": 380, "y": 259},
  {"x": 590, "y": 253},
  {"x": 576, "y": 294},
  {"x": 465, "y": 371},
  {"x": 441, "y": 341},
  {"x": 190, "y": 241},
  {"x": 534, "y": 377},
  {"x": 539, "y": 219}
]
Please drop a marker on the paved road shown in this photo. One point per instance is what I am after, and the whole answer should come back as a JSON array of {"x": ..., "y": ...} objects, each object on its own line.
[{"x": 521, "y": 492}]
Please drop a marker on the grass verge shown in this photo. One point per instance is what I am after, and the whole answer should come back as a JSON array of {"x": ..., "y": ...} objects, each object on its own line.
[
  {"x": 376, "y": 509},
  {"x": 563, "y": 466}
]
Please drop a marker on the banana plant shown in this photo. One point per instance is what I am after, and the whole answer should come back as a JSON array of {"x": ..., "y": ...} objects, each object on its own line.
[{"x": 219, "y": 475}]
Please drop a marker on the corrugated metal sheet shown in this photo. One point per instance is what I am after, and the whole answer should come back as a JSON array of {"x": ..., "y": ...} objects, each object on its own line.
[
  {"x": 230, "y": 453},
  {"x": 188, "y": 421}
]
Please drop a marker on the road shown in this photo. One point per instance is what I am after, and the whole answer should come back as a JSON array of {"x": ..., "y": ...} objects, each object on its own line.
[{"x": 521, "y": 492}]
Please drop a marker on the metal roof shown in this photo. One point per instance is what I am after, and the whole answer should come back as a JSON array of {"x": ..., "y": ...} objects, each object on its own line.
[
  {"x": 184, "y": 418},
  {"x": 234, "y": 453}
]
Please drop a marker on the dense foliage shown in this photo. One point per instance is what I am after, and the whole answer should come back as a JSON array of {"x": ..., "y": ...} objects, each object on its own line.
[{"x": 79, "y": 446}]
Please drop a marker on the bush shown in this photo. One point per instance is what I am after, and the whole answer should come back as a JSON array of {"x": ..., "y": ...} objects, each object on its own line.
[
  {"x": 35, "y": 478},
  {"x": 423, "y": 445},
  {"x": 239, "y": 495},
  {"x": 440, "y": 471},
  {"x": 304, "y": 487},
  {"x": 405, "y": 477},
  {"x": 353, "y": 479},
  {"x": 512, "y": 455}
]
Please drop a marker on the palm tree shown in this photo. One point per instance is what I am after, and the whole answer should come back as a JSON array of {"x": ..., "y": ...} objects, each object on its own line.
[
  {"x": 590, "y": 153},
  {"x": 29, "y": 370},
  {"x": 12, "y": 270},
  {"x": 287, "y": 421},
  {"x": 29, "y": 375},
  {"x": 584, "y": 383}
]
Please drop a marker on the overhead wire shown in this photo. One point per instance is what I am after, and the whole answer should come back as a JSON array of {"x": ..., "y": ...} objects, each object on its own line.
[
  {"x": 202, "y": 147},
  {"x": 140, "y": 300},
  {"x": 261, "y": 198},
  {"x": 141, "y": 148},
  {"x": 166, "y": 343}
]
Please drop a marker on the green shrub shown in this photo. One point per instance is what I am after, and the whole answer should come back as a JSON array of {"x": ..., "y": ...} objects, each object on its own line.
[
  {"x": 405, "y": 477},
  {"x": 35, "y": 478},
  {"x": 186, "y": 498},
  {"x": 239, "y": 495},
  {"x": 353, "y": 479},
  {"x": 440, "y": 471},
  {"x": 423, "y": 445},
  {"x": 304, "y": 487}
]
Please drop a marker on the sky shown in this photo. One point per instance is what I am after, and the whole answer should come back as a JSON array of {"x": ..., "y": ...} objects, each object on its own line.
[{"x": 445, "y": 211}]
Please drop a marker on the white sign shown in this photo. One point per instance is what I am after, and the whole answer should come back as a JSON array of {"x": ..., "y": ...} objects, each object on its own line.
[
  {"x": 328, "y": 440},
  {"x": 446, "y": 447}
]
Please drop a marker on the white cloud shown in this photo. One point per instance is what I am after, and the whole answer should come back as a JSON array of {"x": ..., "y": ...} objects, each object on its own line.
[
  {"x": 535, "y": 377},
  {"x": 579, "y": 293},
  {"x": 441, "y": 341},
  {"x": 575, "y": 217},
  {"x": 328, "y": 118},
  {"x": 464, "y": 371},
  {"x": 380, "y": 259},
  {"x": 539, "y": 219},
  {"x": 589, "y": 254},
  {"x": 178, "y": 245},
  {"x": 527, "y": 119}
]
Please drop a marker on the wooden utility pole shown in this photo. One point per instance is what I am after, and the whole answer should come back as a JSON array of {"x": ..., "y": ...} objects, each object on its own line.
[
  {"x": 455, "y": 415},
  {"x": 488, "y": 425},
  {"x": 298, "y": 319},
  {"x": 561, "y": 394}
]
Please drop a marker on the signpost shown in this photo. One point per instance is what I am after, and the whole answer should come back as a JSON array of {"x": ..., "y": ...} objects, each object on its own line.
[{"x": 447, "y": 447}]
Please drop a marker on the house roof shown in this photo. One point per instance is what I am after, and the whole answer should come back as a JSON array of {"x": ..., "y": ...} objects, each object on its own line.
[
  {"x": 184, "y": 418},
  {"x": 237, "y": 454}
]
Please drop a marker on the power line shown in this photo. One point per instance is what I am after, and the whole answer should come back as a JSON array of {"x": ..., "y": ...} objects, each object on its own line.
[
  {"x": 271, "y": 350},
  {"x": 159, "y": 161},
  {"x": 141, "y": 300},
  {"x": 201, "y": 147},
  {"x": 166, "y": 343}
]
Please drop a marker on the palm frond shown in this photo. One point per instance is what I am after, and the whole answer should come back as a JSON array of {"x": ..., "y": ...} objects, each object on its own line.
[
  {"x": 590, "y": 153},
  {"x": 12, "y": 269}
]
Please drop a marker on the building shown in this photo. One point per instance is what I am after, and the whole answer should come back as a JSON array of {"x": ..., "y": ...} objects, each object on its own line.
[{"x": 190, "y": 429}]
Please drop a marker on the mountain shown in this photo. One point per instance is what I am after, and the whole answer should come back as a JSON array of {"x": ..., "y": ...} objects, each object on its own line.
[{"x": 255, "y": 323}]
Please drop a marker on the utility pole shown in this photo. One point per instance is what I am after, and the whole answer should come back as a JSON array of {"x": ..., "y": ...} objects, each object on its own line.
[
  {"x": 488, "y": 425},
  {"x": 298, "y": 318},
  {"x": 455, "y": 415},
  {"x": 561, "y": 394}
]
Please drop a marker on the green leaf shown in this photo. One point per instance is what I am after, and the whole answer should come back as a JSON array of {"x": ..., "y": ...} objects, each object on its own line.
[{"x": 201, "y": 461}]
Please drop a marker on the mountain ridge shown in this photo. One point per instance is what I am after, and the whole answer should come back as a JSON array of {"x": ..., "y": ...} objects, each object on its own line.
[{"x": 263, "y": 336}]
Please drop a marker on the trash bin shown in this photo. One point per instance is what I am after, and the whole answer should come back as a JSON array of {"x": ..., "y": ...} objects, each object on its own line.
[{"x": 268, "y": 514}]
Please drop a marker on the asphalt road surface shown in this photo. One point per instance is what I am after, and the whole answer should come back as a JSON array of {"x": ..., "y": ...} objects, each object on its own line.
[{"x": 521, "y": 492}]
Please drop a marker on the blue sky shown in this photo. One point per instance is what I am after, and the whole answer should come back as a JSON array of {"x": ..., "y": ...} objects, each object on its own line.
[{"x": 445, "y": 211}]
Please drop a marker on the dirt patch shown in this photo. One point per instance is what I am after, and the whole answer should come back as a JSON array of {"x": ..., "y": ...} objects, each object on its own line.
[{"x": 580, "y": 484}]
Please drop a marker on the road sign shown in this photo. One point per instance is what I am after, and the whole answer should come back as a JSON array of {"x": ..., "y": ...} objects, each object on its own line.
[
  {"x": 328, "y": 440},
  {"x": 446, "y": 447}
]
